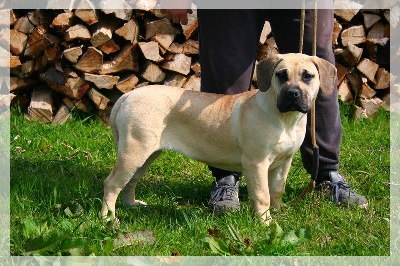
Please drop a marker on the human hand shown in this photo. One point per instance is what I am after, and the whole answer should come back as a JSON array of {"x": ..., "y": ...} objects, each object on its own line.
[
  {"x": 177, "y": 10},
  {"x": 177, "y": 15}
]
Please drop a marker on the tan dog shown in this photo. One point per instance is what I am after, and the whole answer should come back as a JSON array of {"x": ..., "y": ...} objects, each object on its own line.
[{"x": 255, "y": 132}]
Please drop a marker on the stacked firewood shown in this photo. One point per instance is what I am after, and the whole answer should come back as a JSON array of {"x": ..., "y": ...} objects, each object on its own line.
[
  {"x": 85, "y": 59},
  {"x": 361, "y": 44}
]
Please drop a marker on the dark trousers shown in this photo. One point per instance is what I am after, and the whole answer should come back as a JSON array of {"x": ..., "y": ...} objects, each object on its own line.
[{"x": 228, "y": 49}]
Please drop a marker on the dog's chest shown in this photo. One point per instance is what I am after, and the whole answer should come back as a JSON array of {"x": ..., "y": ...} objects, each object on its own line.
[{"x": 288, "y": 143}]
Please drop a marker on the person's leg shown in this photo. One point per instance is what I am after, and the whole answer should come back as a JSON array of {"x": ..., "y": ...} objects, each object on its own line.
[
  {"x": 228, "y": 48},
  {"x": 286, "y": 29},
  {"x": 285, "y": 26}
]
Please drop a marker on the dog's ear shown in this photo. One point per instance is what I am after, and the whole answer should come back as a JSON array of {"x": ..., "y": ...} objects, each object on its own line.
[
  {"x": 327, "y": 74},
  {"x": 265, "y": 70}
]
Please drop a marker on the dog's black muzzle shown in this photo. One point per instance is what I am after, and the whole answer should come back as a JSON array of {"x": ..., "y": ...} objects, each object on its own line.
[{"x": 292, "y": 98}]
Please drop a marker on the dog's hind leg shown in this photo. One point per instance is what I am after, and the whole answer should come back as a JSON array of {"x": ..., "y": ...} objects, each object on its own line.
[
  {"x": 127, "y": 164},
  {"x": 129, "y": 189}
]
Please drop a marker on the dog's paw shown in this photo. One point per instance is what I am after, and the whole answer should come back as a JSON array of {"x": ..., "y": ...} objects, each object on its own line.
[
  {"x": 135, "y": 204},
  {"x": 112, "y": 222}
]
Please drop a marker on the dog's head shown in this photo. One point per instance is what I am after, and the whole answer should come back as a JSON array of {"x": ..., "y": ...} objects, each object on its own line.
[{"x": 296, "y": 79}]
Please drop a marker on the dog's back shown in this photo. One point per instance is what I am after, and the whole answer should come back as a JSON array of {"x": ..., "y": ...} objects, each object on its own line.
[{"x": 168, "y": 116}]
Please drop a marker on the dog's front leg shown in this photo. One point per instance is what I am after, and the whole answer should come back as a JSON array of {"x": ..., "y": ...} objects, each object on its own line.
[
  {"x": 277, "y": 180},
  {"x": 256, "y": 175}
]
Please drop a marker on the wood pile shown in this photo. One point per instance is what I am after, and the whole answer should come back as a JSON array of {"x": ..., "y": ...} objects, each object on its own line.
[{"x": 85, "y": 59}]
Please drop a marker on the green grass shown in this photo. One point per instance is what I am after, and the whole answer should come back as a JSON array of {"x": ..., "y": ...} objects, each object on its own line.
[{"x": 57, "y": 175}]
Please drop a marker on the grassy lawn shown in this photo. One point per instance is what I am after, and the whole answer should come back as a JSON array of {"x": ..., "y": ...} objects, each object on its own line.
[{"x": 57, "y": 175}]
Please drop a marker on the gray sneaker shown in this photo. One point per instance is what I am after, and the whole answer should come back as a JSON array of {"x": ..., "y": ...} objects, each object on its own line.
[
  {"x": 224, "y": 195},
  {"x": 340, "y": 191}
]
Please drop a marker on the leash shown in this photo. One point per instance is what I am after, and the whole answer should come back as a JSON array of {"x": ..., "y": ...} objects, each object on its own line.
[{"x": 314, "y": 172}]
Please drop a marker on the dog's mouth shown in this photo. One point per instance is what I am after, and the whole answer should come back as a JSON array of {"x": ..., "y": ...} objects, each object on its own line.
[{"x": 291, "y": 99}]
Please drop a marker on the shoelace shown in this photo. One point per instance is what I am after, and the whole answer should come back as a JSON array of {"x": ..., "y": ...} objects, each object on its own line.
[
  {"x": 340, "y": 185},
  {"x": 222, "y": 193}
]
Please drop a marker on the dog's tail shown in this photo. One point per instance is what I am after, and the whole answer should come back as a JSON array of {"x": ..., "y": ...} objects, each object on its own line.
[{"x": 113, "y": 118}]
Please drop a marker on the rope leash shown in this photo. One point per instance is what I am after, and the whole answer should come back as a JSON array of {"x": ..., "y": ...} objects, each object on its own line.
[{"x": 314, "y": 172}]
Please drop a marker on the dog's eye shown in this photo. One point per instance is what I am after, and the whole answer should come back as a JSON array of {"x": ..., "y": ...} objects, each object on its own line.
[
  {"x": 307, "y": 77},
  {"x": 282, "y": 75}
]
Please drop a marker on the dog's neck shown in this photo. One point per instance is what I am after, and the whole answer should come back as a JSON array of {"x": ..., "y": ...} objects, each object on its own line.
[{"x": 267, "y": 101}]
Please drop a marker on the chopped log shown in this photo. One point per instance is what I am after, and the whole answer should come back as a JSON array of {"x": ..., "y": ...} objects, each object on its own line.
[
  {"x": 38, "y": 40},
  {"x": 98, "y": 99},
  {"x": 18, "y": 41},
  {"x": 266, "y": 51},
  {"x": 63, "y": 115},
  {"x": 5, "y": 36},
  {"x": 344, "y": 92},
  {"x": 366, "y": 91},
  {"x": 377, "y": 35},
  {"x": 104, "y": 114},
  {"x": 39, "y": 18},
  {"x": 102, "y": 81},
  {"x": 349, "y": 56},
  {"x": 127, "y": 83},
  {"x": 79, "y": 32},
  {"x": 109, "y": 47},
  {"x": 21, "y": 101},
  {"x": 346, "y": 9},
  {"x": 119, "y": 8},
  {"x": 162, "y": 26},
  {"x": 85, "y": 105},
  {"x": 337, "y": 28},
  {"x": 370, "y": 19},
  {"x": 360, "y": 113},
  {"x": 175, "y": 48},
  {"x": 191, "y": 26},
  {"x": 355, "y": 82},
  {"x": 103, "y": 32},
  {"x": 180, "y": 63},
  {"x": 41, "y": 106},
  {"x": 341, "y": 72},
  {"x": 27, "y": 68},
  {"x": 20, "y": 83},
  {"x": 196, "y": 68},
  {"x": 13, "y": 61},
  {"x": 7, "y": 17},
  {"x": 67, "y": 83},
  {"x": 152, "y": 73},
  {"x": 193, "y": 83},
  {"x": 383, "y": 79},
  {"x": 24, "y": 25},
  {"x": 91, "y": 61},
  {"x": 371, "y": 106},
  {"x": 129, "y": 31},
  {"x": 126, "y": 60},
  {"x": 52, "y": 52},
  {"x": 112, "y": 95},
  {"x": 190, "y": 47},
  {"x": 386, "y": 102},
  {"x": 393, "y": 15},
  {"x": 73, "y": 54},
  {"x": 266, "y": 31},
  {"x": 62, "y": 22},
  {"x": 145, "y": 5},
  {"x": 368, "y": 69},
  {"x": 89, "y": 16},
  {"x": 150, "y": 51},
  {"x": 164, "y": 40},
  {"x": 354, "y": 35},
  {"x": 175, "y": 80}
]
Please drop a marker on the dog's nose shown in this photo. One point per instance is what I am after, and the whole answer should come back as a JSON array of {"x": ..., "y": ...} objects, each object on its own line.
[{"x": 293, "y": 93}]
